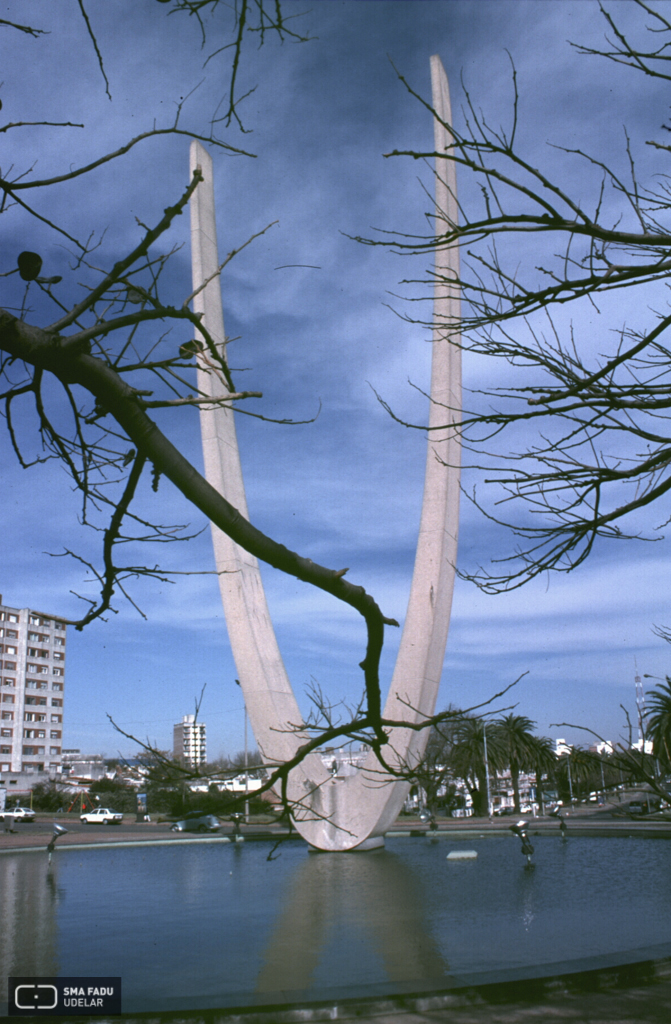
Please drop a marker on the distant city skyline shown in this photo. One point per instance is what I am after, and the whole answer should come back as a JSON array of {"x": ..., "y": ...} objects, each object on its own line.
[{"x": 311, "y": 309}]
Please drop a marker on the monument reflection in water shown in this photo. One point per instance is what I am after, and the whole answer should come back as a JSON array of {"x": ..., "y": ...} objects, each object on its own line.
[{"x": 214, "y": 925}]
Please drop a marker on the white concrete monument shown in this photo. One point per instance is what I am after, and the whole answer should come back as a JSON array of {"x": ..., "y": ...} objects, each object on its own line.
[{"x": 331, "y": 812}]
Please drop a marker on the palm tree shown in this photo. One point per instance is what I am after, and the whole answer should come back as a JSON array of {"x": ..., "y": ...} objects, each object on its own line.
[
  {"x": 517, "y": 748},
  {"x": 658, "y": 727},
  {"x": 467, "y": 758},
  {"x": 544, "y": 761}
]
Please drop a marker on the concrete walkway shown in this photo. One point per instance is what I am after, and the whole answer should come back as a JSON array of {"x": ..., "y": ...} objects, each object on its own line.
[{"x": 642, "y": 1005}]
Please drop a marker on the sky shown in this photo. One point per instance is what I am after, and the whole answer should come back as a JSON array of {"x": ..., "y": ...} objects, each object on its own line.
[{"x": 317, "y": 317}]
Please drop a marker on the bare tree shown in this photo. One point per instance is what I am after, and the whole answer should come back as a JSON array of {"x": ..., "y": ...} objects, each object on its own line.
[
  {"x": 255, "y": 18},
  {"x": 93, "y": 370},
  {"x": 600, "y": 448},
  {"x": 105, "y": 362}
]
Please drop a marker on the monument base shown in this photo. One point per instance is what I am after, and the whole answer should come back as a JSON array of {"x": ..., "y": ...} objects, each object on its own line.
[{"x": 372, "y": 843}]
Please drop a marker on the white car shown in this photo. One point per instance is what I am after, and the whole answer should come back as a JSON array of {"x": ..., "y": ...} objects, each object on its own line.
[
  {"x": 19, "y": 813},
  {"x": 102, "y": 816}
]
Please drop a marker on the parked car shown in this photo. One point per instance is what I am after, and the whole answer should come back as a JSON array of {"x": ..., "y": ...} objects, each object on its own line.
[
  {"x": 197, "y": 821},
  {"x": 101, "y": 816},
  {"x": 20, "y": 813}
]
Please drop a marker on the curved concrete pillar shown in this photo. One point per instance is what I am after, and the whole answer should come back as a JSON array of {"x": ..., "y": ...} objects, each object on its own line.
[{"x": 355, "y": 811}]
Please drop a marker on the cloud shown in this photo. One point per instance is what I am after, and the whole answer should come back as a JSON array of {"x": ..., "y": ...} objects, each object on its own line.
[{"x": 347, "y": 489}]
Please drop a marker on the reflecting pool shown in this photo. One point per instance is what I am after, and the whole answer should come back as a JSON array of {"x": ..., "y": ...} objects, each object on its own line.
[{"x": 216, "y": 924}]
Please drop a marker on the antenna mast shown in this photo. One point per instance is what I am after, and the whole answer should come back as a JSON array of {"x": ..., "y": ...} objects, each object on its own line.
[{"x": 640, "y": 705}]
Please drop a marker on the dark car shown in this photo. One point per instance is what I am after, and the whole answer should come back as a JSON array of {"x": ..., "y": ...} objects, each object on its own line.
[{"x": 197, "y": 821}]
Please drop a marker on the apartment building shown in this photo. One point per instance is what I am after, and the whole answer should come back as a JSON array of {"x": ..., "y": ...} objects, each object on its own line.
[
  {"x": 189, "y": 743},
  {"x": 32, "y": 690}
]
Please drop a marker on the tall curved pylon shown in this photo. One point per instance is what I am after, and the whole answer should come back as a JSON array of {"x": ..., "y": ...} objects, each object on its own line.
[{"x": 331, "y": 812}]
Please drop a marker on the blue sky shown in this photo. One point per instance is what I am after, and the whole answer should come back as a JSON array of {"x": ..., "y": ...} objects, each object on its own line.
[{"x": 346, "y": 489}]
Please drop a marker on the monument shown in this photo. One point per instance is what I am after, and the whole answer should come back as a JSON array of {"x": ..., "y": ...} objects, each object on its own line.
[{"x": 341, "y": 813}]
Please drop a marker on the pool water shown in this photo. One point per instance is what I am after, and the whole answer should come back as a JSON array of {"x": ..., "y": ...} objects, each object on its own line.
[{"x": 197, "y": 926}]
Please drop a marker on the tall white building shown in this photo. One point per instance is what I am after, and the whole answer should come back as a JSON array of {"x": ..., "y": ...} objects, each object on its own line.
[
  {"x": 189, "y": 744},
  {"x": 32, "y": 690}
]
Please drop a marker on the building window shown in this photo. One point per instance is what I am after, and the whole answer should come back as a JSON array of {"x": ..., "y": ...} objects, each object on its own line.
[
  {"x": 57, "y": 686},
  {"x": 8, "y": 698},
  {"x": 59, "y": 641},
  {"x": 58, "y": 656},
  {"x": 7, "y": 716},
  {"x": 6, "y": 732},
  {"x": 33, "y": 750},
  {"x": 11, "y": 666},
  {"x": 36, "y": 700},
  {"x": 10, "y": 650},
  {"x": 4, "y": 749},
  {"x": 54, "y": 751},
  {"x": 8, "y": 682},
  {"x": 55, "y": 734},
  {"x": 56, "y": 719},
  {"x": 56, "y": 702},
  {"x": 58, "y": 671},
  {"x": 12, "y": 618},
  {"x": 59, "y": 625}
]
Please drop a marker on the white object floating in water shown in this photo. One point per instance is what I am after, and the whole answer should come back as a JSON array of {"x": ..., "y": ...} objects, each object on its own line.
[{"x": 462, "y": 855}]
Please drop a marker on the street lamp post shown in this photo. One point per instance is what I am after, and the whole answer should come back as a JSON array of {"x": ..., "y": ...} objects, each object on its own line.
[
  {"x": 244, "y": 702},
  {"x": 246, "y": 772},
  {"x": 603, "y": 784},
  {"x": 489, "y": 800}
]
